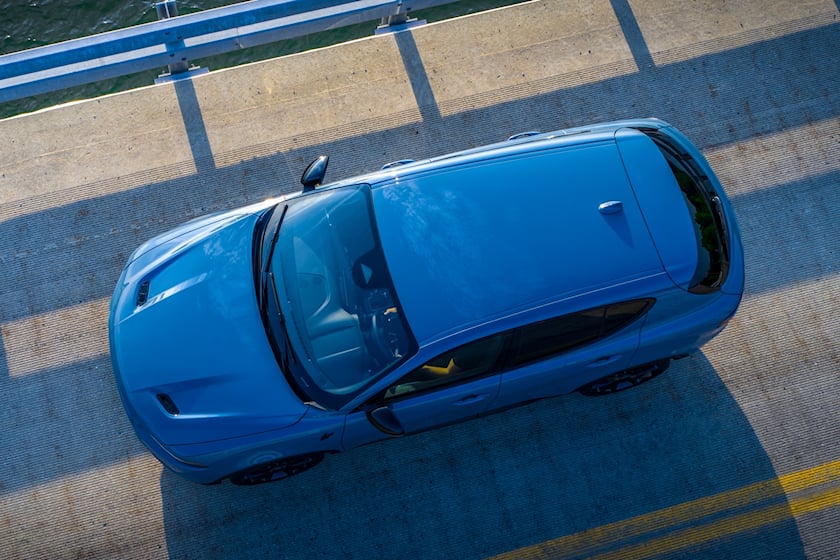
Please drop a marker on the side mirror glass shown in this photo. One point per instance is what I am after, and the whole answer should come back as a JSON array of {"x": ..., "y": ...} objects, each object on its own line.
[
  {"x": 384, "y": 419},
  {"x": 314, "y": 173}
]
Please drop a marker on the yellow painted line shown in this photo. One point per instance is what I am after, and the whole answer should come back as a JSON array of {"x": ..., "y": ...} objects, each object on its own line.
[
  {"x": 694, "y": 511},
  {"x": 727, "y": 527},
  {"x": 802, "y": 480}
]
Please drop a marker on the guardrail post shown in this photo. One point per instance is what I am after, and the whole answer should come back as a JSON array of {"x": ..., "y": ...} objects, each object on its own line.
[
  {"x": 168, "y": 9},
  {"x": 172, "y": 42},
  {"x": 398, "y": 22}
]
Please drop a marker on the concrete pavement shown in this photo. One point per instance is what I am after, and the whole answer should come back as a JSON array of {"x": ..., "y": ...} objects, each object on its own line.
[{"x": 731, "y": 454}]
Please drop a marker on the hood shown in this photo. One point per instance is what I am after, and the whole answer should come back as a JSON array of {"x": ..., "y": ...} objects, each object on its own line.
[{"x": 193, "y": 361}]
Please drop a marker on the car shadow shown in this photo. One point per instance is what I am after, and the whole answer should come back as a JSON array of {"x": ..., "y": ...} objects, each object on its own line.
[
  {"x": 527, "y": 476},
  {"x": 535, "y": 474}
]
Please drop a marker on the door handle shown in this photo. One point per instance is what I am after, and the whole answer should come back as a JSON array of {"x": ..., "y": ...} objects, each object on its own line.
[
  {"x": 470, "y": 399},
  {"x": 604, "y": 361}
]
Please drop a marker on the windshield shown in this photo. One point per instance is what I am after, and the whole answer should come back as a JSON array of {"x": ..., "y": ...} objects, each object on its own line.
[{"x": 337, "y": 303}]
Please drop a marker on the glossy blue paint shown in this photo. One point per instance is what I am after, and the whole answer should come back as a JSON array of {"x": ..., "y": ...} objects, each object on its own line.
[
  {"x": 666, "y": 216},
  {"x": 207, "y": 349},
  {"x": 476, "y": 241},
  {"x": 483, "y": 242}
]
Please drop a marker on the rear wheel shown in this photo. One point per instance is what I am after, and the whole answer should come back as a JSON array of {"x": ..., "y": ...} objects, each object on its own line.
[
  {"x": 624, "y": 379},
  {"x": 276, "y": 470}
]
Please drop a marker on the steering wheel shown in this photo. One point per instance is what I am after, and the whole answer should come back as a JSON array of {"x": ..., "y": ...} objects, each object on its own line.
[{"x": 385, "y": 338}]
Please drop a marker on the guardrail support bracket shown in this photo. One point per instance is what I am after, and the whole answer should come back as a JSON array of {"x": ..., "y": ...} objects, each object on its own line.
[
  {"x": 166, "y": 9},
  {"x": 398, "y": 22}
]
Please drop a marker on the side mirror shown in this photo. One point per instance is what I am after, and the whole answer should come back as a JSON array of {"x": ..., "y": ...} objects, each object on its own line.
[
  {"x": 314, "y": 173},
  {"x": 384, "y": 420}
]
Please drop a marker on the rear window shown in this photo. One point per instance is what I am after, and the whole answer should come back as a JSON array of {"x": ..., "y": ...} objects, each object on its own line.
[
  {"x": 704, "y": 208},
  {"x": 554, "y": 336}
]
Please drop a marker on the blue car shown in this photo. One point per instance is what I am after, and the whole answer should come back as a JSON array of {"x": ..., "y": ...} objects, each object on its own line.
[{"x": 248, "y": 344}]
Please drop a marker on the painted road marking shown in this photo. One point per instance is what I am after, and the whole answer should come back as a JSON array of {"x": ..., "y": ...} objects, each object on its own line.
[{"x": 605, "y": 542}]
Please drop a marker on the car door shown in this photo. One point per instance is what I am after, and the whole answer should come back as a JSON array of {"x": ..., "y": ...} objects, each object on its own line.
[
  {"x": 456, "y": 385},
  {"x": 559, "y": 355}
]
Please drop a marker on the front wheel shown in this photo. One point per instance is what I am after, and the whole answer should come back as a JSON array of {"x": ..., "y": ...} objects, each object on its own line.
[
  {"x": 624, "y": 379},
  {"x": 276, "y": 470}
]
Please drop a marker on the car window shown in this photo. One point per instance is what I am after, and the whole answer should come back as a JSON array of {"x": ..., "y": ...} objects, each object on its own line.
[
  {"x": 706, "y": 214},
  {"x": 620, "y": 314},
  {"x": 468, "y": 361},
  {"x": 553, "y": 336},
  {"x": 530, "y": 343}
]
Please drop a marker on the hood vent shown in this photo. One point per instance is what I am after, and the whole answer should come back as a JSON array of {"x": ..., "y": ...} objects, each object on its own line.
[
  {"x": 143, "y": 293},
  {"x": 168, "y": 404}
]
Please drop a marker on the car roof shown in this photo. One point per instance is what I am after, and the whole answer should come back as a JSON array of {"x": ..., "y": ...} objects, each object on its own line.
[{"x": 485, "y": 234}]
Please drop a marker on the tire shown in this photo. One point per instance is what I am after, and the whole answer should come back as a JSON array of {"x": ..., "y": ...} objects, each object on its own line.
[
  {"x": 275, "y": 470},
  {"x": 625, "y": 379}
]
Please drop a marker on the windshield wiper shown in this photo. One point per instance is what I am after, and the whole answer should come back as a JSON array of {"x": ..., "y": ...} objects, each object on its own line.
[
  {"x": 263, "y": 267},
  {"x": 280, "y": 342},
  {"x": 287, "y": 342},
  {"x": 274, "y": 235}
]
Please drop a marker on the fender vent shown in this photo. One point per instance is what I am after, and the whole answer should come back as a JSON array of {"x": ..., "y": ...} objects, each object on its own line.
[
  {"x": 143, "y": 293},
  {"x": 168, "y": 404}
]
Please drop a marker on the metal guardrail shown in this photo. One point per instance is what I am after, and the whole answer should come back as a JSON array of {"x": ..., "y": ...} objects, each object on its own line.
[{"x": 173, "y": 41}]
